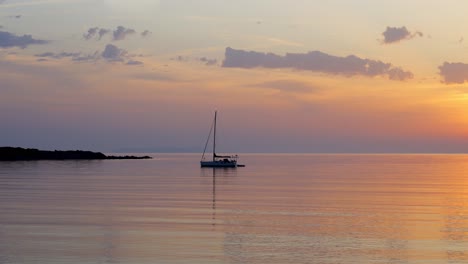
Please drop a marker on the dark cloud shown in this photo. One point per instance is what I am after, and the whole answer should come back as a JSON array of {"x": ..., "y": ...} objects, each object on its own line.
[
  {"x": 9, "y": 40},
  {"x": 134, "y": 62},
  {"x": 145, "y": 33},
  {"x": 91, "y": 33},
  {"x": 120, "y": 33},
  {"x": 314, "y": 61},
  {"x": 113, "y": 53},
  {"x": 455, "y": 72},
  {"x": 396, "y": 34}
]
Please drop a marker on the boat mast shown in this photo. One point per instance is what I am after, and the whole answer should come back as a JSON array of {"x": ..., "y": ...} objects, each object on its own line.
[{"x": 214, "y": 137}]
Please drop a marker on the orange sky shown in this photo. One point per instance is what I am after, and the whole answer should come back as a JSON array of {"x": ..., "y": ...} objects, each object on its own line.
[{"x": 65, "y": 86}]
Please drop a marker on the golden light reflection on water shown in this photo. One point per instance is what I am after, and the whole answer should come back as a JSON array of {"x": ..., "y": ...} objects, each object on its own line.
[{"x": 279, "y": 209}]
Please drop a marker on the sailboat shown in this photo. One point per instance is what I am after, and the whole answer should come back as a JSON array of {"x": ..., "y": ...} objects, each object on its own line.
[{"x": 218, "y": 161}]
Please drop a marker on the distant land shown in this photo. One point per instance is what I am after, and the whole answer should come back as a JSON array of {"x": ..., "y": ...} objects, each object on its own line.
[
  {"x": 16, "y": 154},
  {"x": 159, "y": 149}
]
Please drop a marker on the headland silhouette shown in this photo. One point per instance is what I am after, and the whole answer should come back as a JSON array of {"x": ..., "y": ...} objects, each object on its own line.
[{"x": 17, "y": 154}]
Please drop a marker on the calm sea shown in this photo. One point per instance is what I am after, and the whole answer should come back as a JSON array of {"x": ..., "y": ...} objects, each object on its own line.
[{"x": 281, "y": 208}]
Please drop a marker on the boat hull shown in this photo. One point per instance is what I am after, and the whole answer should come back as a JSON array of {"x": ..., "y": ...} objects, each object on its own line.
[{"x": 218, "y": 164}]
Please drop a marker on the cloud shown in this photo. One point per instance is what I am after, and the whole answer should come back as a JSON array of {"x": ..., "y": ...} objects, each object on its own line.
[
  {"x": 314, "y": 61},
  {"x": 208, "y": 62},
  {"x": 9, "y": 40},
  {"x": 155, "y": 76},
  {"x": 289, "y": 86},
  {"x": 204, "y": 60},
  {"x": 396, "y": 34},
  {"x": 59, "y": 55},
  {"x": 91, "y": 33},
  {"x": 134, "y": 62},
  {"x": 113, "y": 53},
  {"x": 96, "y": 31},
  {"x": 455, "y": 72},
  {"x": 284, "y": 42},
  {"x": 181, "y": 58},
  {"x": 120, "y": 33},
  {"x": 103, "y": 32},
  {"x": 74, "y": 56},
  {"x": 87, "y": 58},
  {"x": 145, "y": 33}
]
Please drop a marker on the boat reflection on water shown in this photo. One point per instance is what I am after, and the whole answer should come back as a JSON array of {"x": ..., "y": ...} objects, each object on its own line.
[{"x": 223, "y": 175}]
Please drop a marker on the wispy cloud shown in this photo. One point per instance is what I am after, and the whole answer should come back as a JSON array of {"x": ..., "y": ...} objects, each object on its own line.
[
  {"x": 208, "y": 62},
  {"x": 289, "y": 86},
  {"x": 74, "y": 56},
  {"x": 87, "y": 57},
  {"x": 134, "y": 62},
  {"x": 315, "y": 61},
  {"x": 397, "y": 34},
  {"x": 111, "y": 53},
  {"x": 146, "y": 33},
  {"x": 59, "y": 55},
  {"x": 9, "y": 40},
  {"x": 284, "y": 42},
  {"x": 155, "y": 76},
  {"x": 120, "y": 33},
  {"x": 204, "y": 60},
  {"x": 454, "y": 72}
]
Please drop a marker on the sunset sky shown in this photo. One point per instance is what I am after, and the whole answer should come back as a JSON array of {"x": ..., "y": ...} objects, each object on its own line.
[{"x": 285, "y": 76}]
